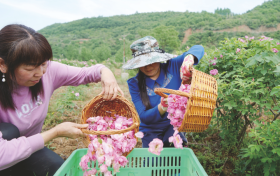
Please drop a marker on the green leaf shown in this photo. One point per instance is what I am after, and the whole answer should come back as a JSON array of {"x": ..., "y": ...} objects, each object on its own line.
[
  {"x": 231, "y": 104},
  {"x": 274, "y": 91},
  {"x": 252, "y": 61},
  {"x": 99, "y": 140},
  {"x": 277, "y": 69},
  {"x": 263, "y": 160},
  {"x": 263, "y": 71},
  {"x": 275, "y": 59}
]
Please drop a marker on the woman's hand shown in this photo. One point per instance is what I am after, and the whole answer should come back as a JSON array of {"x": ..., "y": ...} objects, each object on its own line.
[
  {"x": 66, "y": 129},
  {"x": 110, "y": 87},
  {"x": 185, "y": 71},
  {"x": 71, "y": 130},
  {"x": 162, "y": 107}
]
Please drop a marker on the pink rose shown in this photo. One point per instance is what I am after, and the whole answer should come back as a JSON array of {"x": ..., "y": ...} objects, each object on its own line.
[
  {"x": 139, "y": 134},
  {"x": 156, "y": 146},
  {"x": 237, "y": 50},
  {"x": 274, "y": 50},
  {"x": 214, "y": 72}
]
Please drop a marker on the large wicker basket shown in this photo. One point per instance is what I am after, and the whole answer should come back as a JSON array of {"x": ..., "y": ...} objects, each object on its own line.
[
  {"x": 201, "y": 101},
  {"x": 100, "y": 107}
]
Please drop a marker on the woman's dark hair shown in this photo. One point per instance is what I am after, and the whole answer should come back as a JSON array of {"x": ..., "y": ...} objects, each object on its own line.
[
  {"x": 21, "y": 45},
  {"x": 142, "y": 86}
]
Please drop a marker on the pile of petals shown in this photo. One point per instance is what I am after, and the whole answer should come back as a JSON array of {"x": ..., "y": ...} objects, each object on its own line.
[
  {"x": 176, "y": 110},
  {"x": 107, "y": 150},
  {"x": 177, "y": 106}
]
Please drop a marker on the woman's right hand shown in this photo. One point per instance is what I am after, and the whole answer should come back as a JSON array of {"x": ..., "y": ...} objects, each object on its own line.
[
  {"x": 162, "y": 107},
  {"x": 71, "y": 130},
  {"x": 66, "y": 129}
]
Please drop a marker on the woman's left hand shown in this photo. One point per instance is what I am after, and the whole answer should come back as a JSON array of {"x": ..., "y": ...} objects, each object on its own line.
[{"x": 110, "y": 87}]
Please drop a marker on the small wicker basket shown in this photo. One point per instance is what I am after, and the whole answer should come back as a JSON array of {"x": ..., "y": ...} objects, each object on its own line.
[
  {"x": 201, "y": 101},
  {"x": 100, "y": 107}
]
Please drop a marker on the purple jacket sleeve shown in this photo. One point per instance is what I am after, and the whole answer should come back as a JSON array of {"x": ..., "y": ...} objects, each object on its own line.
[
  {"x": 64, "y": 75},
  {"x": 16, "y": 150}
]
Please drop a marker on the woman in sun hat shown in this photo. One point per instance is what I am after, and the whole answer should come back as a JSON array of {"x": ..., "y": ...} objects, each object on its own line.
[
  {"x": 147, "y": 57},
  {"x": 28, "y": 80}
]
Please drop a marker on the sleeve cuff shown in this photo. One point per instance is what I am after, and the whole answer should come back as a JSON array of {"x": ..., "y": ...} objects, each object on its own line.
[
  {"x": 36, "y": 142},
  {"x": 99, "y": 67}
]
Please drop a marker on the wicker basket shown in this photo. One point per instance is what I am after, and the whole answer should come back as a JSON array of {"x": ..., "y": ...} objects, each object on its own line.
[
  {"x": 201, "y": 102},
  {"x": 100, "y": 107}
]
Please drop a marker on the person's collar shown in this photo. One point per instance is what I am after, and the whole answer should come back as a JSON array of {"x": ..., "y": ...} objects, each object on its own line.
[{"x": 150, "y": 82}]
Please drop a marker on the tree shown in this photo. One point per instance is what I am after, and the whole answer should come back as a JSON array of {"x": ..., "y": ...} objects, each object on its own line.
[
  {"x": 128, "y": 53},
  {"x": 167, "y": 37},
  {"x": 101, "y": 53}
]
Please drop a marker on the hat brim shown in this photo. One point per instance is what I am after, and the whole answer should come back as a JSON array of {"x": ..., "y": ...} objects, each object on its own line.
[{"x": 147, "y": 59}]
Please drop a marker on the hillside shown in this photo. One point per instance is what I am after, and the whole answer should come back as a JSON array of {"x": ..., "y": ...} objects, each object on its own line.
[{"x": 102, "y": 37}]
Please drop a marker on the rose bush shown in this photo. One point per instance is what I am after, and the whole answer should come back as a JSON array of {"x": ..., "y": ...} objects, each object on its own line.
[{"x": 248, "y": 86}]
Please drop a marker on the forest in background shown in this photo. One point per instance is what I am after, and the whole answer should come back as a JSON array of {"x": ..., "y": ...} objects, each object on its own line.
[{"x": 100, "y": 38}]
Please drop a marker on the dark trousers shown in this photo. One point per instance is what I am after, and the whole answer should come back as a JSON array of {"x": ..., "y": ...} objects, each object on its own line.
[
  {"x": 162, "y": 134},
  {"x": 44, "y": 162}
]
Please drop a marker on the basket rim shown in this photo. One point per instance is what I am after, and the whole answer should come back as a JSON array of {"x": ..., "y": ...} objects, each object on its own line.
[{"x": 135, "y": 125}]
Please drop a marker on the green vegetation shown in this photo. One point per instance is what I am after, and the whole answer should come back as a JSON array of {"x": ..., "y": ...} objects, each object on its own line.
[
  {"x": 246, "y": 95},
  {"x": 87, "y": 38}
]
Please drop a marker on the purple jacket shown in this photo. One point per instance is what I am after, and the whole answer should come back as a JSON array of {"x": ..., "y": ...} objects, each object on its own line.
[{"x": 29, "y": 116}]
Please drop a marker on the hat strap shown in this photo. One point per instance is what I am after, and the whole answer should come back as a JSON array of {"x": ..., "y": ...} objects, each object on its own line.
[{"x": 137, "y": 53}]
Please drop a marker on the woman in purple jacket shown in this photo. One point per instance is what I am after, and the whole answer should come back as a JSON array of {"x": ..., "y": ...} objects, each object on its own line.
[{"x": 28, "y": 79}]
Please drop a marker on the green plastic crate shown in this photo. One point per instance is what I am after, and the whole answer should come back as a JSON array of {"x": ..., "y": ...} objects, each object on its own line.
[{"x": 143, "y": 163}]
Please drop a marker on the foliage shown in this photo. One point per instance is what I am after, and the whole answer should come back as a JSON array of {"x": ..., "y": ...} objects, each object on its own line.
[
  {"x": 225, "y": 11},
  {"x": 245, "y": 90},
  {"x": 101, "y": 53},
  {"x": 77, "y": 40},
  {"x": 210, "y": 39},
  {"x": 167, "y": 37},
  {"x": 263, "y": 154}
]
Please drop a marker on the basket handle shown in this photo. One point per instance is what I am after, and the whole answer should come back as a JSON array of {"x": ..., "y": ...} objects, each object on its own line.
[
  {"x": 160, "y": 91},
  {"x": 111, "y": 132}
]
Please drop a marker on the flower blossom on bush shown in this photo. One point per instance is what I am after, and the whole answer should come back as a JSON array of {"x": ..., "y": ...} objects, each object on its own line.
[
  {"x": 237, "y": 50},
  {"x": 215, "y": 58},
  {"x": 221, "y": 56},
  {"x": 274, "y": 50},
  {"x": 77, "y": 94},
  {"x": 214, "y": 63},
  {"x": 265, "y": 38},
  {"x": 251, "y": 38},
  {"x": 156, "y": 146},
  {"x": 278, "y": 43},
  {"x": 241, "y": 40},
  {"x": 108, "y": 149},
  {"x": 214, "y": 72}
]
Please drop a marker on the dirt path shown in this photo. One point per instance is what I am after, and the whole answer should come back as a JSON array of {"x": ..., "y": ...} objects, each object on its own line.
[{"x": 242, "y": 28}]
